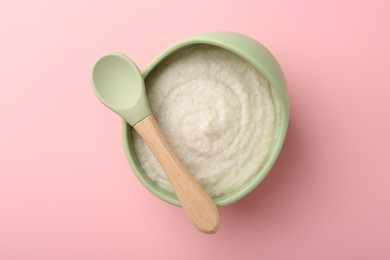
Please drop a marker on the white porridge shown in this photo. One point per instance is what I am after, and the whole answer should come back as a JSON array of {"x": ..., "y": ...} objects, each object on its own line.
[{"x": 218, "y": 114}]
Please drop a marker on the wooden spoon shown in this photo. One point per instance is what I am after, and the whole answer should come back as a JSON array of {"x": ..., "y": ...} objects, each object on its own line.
[{"x": 119, "y": 85}]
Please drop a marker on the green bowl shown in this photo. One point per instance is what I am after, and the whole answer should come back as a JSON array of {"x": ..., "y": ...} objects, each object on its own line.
[{"x": 257, "y": 55}]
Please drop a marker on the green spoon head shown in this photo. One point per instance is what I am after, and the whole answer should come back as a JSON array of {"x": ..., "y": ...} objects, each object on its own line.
[{"x": 119, "y": 85}]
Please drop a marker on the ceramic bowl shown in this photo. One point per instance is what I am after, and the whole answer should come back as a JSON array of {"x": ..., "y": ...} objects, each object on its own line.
[{"x": 258, "y": 56}]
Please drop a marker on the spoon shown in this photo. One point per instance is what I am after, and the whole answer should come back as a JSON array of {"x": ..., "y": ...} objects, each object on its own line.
[{"x": 119, "y": 85}]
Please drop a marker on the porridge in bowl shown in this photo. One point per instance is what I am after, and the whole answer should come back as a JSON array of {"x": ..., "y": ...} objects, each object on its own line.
[{"x": 218, "y": 113}]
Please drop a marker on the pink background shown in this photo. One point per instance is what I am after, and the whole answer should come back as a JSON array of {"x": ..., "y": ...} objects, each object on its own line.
[{"x": 67, "y": 192}]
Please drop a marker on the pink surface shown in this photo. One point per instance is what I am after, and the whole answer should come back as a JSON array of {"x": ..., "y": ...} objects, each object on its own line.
[{"x": 67, "y": 192}]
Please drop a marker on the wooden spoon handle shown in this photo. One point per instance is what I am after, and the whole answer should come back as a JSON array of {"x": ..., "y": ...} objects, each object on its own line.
[{"x": 196, "y": 203}]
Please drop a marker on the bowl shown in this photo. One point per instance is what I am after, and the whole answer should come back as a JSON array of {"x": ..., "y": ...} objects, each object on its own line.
[{"x": 259, "y": 57}]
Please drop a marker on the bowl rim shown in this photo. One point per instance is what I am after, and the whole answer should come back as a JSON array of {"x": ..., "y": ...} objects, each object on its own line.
[{"x": 259, "y": 57}]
